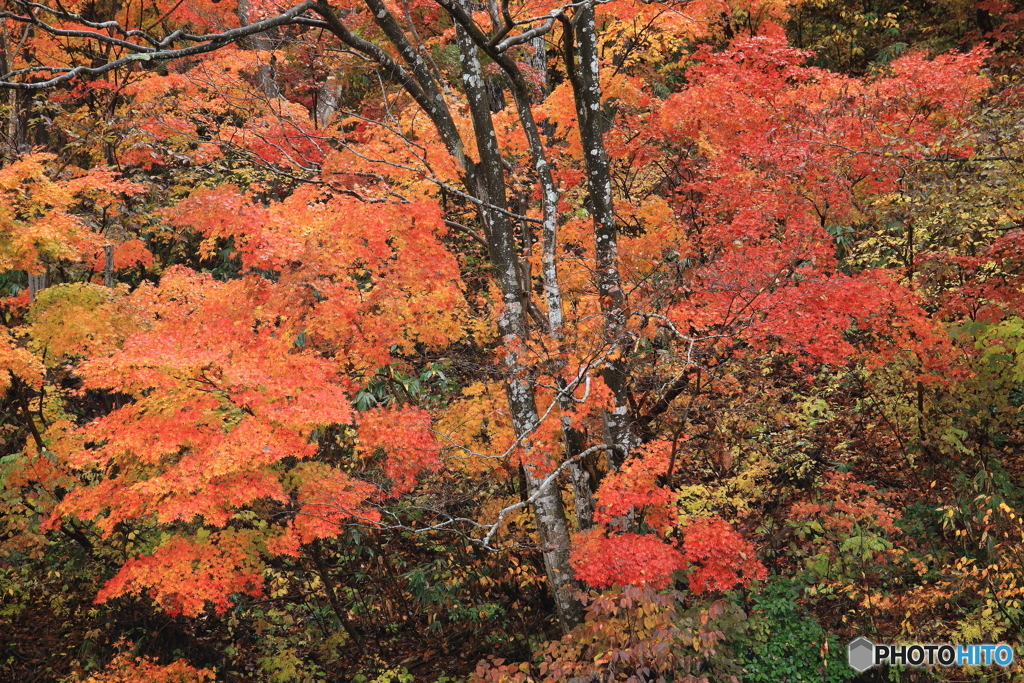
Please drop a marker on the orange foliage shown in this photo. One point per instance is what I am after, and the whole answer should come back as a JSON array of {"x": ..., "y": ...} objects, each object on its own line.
[
  {"x": 183, "y": 575},
  {"x": 126, "y": 668}
]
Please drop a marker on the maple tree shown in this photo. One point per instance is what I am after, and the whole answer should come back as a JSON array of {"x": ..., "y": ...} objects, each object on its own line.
[{"x": 638, "y": 290}]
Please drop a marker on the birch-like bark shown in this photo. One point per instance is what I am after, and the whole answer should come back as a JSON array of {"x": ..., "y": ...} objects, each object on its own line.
[
  {"x": 582, "y": 486},
  {"x": 552, "y": 525},
  {"x": 538, "y": 61},
  {"x": 583, "y": 67}
]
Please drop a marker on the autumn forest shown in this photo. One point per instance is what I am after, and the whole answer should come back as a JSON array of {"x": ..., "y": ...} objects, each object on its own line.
[{"x": 509, "y": 341}]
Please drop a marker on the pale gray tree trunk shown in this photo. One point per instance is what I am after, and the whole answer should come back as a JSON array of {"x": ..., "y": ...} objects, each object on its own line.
[
  {"x": 266, "y": 78},
  {"x": 583, "y": 66},
  {"x": 327, "y": 101},
  {"x": 521, "y": 94},
  {"x": 10, "y": 47},
  {"x": 37, "y": 283},
  {"x": 552, "y": 525}
]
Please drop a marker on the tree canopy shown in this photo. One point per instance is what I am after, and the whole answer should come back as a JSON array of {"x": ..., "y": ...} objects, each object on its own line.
[{"x": 433, "y": 340}]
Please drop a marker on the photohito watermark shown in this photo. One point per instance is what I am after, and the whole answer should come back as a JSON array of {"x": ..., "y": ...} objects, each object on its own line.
[{"x": 864, "y": 654}]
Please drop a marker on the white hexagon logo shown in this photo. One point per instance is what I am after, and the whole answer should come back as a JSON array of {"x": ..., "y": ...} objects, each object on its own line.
[{"x": 861, "y": 654}]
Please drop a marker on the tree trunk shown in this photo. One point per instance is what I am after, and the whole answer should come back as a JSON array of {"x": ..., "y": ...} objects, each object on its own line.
[
  {"x": 552, "y": 525},
  {"x": 266, "y": 76},
  {"x": 37, "y": 283},
  {"x": 108, "y": 265},
  {"x": 583, "y": 68}
]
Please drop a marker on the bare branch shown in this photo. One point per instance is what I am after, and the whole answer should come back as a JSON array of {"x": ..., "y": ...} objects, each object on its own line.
[
  {"x": 143, "y": 53},
  {"x": 526, "y": 36}
]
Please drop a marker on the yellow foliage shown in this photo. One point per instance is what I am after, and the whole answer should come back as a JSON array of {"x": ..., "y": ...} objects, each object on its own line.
[
  {"x": 18, "y": 362},
  {"x": 78, "y": 320},
  {"x": 738, "y": 494},
  {"x": 35, "y": 220},
  {"x": 477, "y": 428}
]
